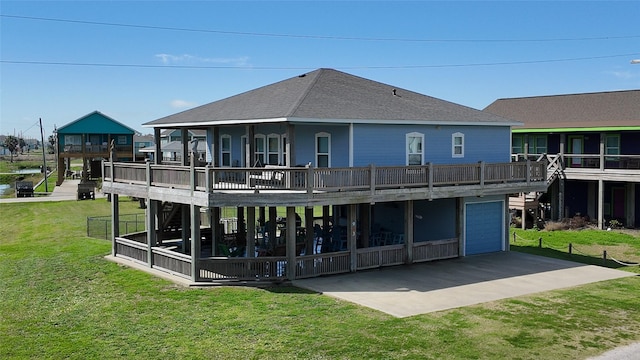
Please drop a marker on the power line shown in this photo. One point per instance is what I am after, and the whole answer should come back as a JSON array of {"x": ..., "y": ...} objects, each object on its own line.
[
  {"x": 319, "y": 37},
  {"x": 525, "y": 62}
]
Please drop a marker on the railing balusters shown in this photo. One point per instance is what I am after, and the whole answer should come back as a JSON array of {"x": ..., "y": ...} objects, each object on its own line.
[{"x": 370, "y": 178}]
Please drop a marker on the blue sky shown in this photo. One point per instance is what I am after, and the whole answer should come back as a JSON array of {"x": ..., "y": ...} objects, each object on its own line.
[{"x": 167, "y": 56}]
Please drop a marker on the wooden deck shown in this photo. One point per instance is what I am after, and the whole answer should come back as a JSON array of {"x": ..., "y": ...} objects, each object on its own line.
[{"x": 209, "y": 186}]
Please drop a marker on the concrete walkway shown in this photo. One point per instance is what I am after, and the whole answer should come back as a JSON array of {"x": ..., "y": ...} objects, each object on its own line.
[
  {"x": 423, "y": 288},
  {"x": 68, "y": 190}
]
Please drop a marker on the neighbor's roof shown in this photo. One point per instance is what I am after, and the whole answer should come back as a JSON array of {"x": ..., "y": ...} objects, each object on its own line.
[
  {"x": 174, "y": 146},
  {"x": 614, "y": 109},
  {"x": 327, "y": 95},
  {"x": 95, "y": 123}
]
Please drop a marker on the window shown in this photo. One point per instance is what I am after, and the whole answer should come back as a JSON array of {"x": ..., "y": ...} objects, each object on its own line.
[
  {"x": 273, "y": 149},
  {"x": 73, "y": 139},
  {"x": 457, "y": 145},
  {"x": 260, "y": 150},
  {"x": 122, "y": 140},
  {"x": 323, "y": 150},
  {"x": 415, "y": 156},
  {"x": 517, "y": 146},
  {"x": 537, "y": 144},
  {"x": 225, "y": 150},
  {"x": 612, "y": 146}
]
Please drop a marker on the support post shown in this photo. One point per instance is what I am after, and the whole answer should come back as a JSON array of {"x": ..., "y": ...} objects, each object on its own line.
[
  {"x": 271, "y": 230},
  {"x": 151, "y": 212},
  {"x": 372, "y": 170},
  {"x": 308, "y": 228},
  {"x": 184, "y": 222},
  {"x": 408, "y": 230},
  {"x": 365, "y": 224},
  {"x": 352, "y": 235},
  {"x": 430, "y": 179},
  {"x": 115, "y": 222},
  {"x": 600, "y": 204},
  {"x": 291, "y": 242},
  {"x": 184, "y": 134},
  {"x": 310, "y": 180},
  {"x": 251, "y": 232},
  {"x": 215, "y": 229},
  {"x": 195, "y": 242},
  {"x": 157, "y": 155}
]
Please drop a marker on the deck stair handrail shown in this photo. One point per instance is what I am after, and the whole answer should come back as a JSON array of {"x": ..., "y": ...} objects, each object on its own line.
[{"x": 554, "y": 166}]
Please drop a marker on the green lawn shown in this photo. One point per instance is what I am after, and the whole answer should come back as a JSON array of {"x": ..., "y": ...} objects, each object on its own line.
[{"x": 61, "y": 299}]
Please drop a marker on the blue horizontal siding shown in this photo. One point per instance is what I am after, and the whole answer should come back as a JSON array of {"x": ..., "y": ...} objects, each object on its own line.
[{"x": 384, "y": 145}]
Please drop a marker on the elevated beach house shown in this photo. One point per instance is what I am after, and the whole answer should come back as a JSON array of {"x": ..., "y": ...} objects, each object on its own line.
[
  {"x": 89, "y": 138},
  {"x": 325, "y": 173},
  {"x": 592, "y": 143}
]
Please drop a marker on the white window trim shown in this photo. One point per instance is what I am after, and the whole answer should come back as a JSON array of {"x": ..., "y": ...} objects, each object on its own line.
[
  {"x": 328, "y": 136},
  {"x": 453, "y": 145},
  {"x": 222, "y": 152},
  {"x": 407, "y": 153}
]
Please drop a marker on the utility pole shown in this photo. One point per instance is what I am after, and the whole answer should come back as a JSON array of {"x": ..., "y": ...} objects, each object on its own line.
[{"x": 44, "y": 158}]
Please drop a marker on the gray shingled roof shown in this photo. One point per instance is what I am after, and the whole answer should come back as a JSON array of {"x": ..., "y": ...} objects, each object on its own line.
[
  {"x": 602, "y": 109},
  {"x": 329, "y": 95}
]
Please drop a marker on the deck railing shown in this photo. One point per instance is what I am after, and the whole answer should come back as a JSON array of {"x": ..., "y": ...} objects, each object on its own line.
[
  {"x": 324, "y": 179},
  {"x": 229, "y": 268},
  {"x": 322, "y": 264},
  {"x": 435, "y": 250},
  {"x": 274, "y": 268},
  {"x": 131, "y": 249},
  {"x": 172, "y": 262}
]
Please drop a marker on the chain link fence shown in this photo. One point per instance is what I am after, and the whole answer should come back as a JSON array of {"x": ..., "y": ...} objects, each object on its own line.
[{"x": 100, "y": 226}]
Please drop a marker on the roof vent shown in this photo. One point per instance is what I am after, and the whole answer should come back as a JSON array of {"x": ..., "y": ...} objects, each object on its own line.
[
  {"x": 394, "y": 92},
  {"x": 303, "y": 75}
]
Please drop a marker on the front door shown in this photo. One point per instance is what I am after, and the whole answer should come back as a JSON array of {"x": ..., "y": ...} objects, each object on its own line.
[{"x": 575, "y": 147}]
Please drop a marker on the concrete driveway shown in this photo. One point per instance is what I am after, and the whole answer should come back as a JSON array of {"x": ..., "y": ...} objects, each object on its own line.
[{"x": 404, "y": 291}]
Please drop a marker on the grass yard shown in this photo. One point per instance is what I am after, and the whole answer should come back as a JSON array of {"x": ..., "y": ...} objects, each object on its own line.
[
  {"x": 587, "y": 246},
  {"x": 61, "y": 299}
]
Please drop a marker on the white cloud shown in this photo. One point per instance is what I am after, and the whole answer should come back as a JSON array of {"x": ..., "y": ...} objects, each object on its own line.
[
  {"x": 623, "y": 74},
  {"x": 181, "y": 104},
  {"x": 169, "y": 59}
]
